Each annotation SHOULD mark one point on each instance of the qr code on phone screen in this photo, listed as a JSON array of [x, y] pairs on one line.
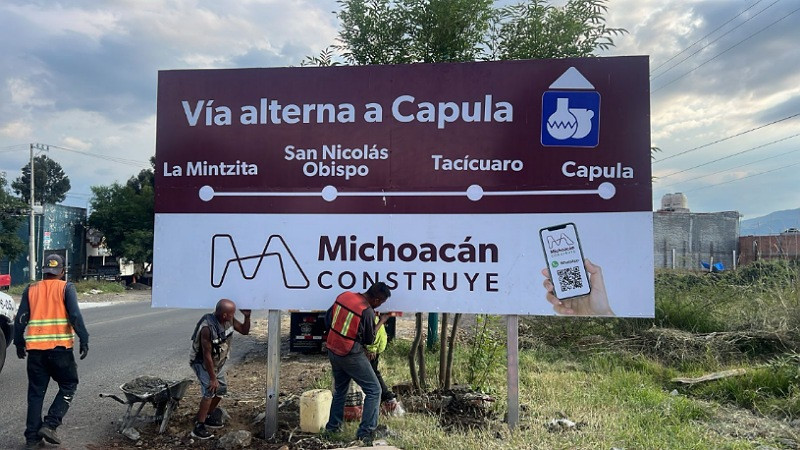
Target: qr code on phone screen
[[570, 278]]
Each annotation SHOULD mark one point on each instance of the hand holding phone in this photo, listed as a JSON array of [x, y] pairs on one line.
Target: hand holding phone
[[564, 257], [593, 304]]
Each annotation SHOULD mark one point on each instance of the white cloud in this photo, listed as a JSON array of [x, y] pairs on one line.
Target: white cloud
[[16, 130]]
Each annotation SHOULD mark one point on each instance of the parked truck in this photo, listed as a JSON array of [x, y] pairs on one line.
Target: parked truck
[[8, 309]]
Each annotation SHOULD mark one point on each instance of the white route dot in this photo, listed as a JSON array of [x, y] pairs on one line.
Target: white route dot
[[329, 193], [475, 192], [206, 193], [606, 190]]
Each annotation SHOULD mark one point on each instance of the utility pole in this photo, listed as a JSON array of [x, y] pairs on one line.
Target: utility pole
[[32, 235]]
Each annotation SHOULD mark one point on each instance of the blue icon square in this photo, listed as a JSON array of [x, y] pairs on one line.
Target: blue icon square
[[570, 118]]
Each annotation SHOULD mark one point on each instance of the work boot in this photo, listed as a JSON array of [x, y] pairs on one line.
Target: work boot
[[214, 419], [200, 431], [213, 422], [49, 435], [380, 432], [30, 445]]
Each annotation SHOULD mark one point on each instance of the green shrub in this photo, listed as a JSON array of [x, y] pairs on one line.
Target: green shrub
[[485, 351]]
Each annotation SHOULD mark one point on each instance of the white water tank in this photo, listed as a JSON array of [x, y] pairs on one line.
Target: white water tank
[[675, 202]]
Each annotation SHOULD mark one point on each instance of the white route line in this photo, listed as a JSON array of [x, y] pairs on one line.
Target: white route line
[[475, 192]]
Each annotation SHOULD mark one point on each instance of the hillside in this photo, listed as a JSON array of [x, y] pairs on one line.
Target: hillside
[[772, 223]]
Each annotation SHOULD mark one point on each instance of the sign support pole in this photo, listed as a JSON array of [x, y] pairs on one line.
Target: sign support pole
[[273, 372], [512, 323]]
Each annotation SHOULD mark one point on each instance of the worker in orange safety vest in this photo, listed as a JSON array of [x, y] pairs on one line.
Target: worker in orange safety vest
[[49, 311], [351, 326]]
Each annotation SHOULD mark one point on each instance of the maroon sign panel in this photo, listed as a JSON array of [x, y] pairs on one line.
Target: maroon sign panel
[[490, 137]]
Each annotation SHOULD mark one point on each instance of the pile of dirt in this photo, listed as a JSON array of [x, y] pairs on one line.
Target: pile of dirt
[[458, 408], [138, 287], [146, 386], [244, 405]]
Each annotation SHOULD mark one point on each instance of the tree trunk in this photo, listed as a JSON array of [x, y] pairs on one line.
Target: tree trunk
[[450, 346], [423, 376], [442, 350], [413, 353]]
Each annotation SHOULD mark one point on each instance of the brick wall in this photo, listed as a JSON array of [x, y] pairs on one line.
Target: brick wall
[[784, 246], [694, 237]]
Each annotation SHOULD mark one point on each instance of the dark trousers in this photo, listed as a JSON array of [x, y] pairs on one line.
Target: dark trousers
[[385, 392], [58, 364], [354, 366]]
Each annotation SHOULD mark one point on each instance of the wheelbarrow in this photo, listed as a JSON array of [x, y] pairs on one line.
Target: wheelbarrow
[[164, 395]]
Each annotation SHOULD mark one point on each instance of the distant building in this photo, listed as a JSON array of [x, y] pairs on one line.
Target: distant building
[[59, 229], [685, 240], [783, 246]]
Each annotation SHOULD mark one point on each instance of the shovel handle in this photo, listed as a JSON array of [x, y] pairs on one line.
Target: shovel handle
[[114, 396]]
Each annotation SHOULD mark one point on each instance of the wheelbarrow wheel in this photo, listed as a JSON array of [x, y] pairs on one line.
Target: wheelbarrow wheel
[[170, 408]]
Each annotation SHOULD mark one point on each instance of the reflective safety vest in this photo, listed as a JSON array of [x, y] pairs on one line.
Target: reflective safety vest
[[345, 319], [49, 325]]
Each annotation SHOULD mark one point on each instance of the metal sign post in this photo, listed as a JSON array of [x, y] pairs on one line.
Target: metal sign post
[[273, 372], [513, 370]]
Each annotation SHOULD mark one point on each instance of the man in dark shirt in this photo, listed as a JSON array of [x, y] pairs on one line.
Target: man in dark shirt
[[351, 326], [49, 310]]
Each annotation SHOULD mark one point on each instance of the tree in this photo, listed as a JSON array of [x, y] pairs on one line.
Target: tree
[[537, 29], [124, 214], [51, 184], [12, 214], [430, 31]]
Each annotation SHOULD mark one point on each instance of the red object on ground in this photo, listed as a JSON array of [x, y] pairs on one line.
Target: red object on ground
[[353, 412], [5, 280]]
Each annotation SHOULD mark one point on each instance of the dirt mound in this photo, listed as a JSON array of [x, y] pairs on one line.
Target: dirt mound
[[457, 408]]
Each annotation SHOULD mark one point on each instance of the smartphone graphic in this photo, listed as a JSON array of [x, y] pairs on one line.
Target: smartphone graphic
[[564, 256]]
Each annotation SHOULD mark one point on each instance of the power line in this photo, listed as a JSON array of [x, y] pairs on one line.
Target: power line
[[726, 138], [707, 35], [730, 168], [130, 162], [15, 148], [743, 178], [723, 52], [730, 156]]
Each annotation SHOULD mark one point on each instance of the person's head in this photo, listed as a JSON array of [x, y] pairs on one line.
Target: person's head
[[377, 294], [53, 267], [225, 310]]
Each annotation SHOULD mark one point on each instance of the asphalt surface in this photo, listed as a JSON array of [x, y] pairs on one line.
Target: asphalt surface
[[126, 340]]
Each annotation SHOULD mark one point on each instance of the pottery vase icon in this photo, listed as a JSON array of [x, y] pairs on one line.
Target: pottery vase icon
[[584, 117], [562, 124]]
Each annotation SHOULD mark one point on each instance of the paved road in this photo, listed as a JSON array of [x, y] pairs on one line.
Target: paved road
[[126, 340]]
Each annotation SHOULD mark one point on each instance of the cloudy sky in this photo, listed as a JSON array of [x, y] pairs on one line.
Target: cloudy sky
[[81, 77]]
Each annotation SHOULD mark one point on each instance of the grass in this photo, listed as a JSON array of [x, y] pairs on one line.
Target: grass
[[621, 400], [81, 287], [587, 370]]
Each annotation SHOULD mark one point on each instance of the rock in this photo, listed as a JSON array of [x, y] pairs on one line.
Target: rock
[[285, 447], [795, 423], [131, 433], [235, 439], [259, 417], [674, 392], [560, 425]]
